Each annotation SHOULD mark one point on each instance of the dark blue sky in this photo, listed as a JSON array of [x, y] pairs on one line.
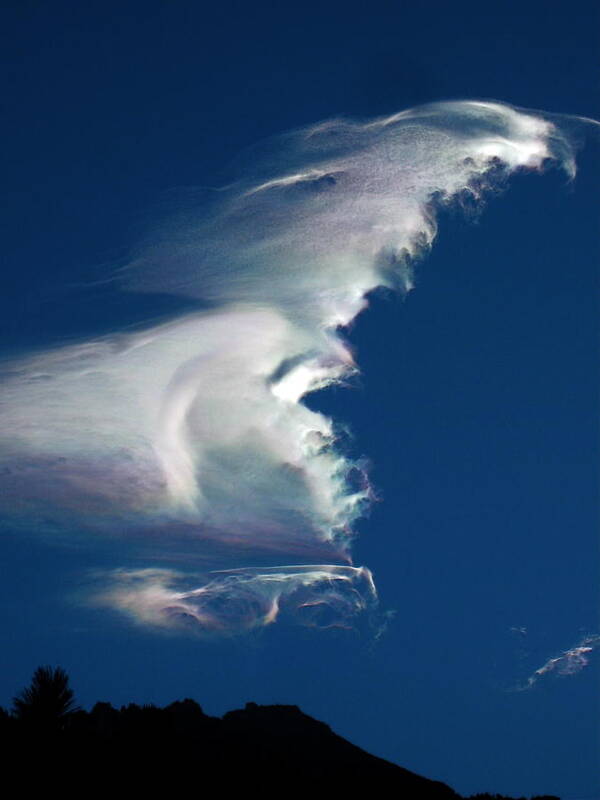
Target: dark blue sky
[[478, 405]]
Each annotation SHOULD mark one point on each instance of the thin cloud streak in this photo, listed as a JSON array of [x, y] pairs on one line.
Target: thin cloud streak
[[569, 662], [236, 601]]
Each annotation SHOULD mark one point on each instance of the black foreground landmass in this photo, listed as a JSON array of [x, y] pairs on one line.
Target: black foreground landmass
[[275, 749]]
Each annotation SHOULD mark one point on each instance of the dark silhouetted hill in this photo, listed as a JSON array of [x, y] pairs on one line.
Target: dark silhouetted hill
[[272, 750]]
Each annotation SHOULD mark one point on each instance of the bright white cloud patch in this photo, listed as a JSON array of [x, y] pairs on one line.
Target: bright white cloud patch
[[194, 432]]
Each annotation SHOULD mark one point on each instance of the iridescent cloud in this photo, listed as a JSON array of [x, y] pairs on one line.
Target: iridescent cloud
[[193, 434]]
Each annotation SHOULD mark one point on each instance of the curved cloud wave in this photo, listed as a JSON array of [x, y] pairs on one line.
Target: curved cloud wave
[[194, 432], [316, 595]]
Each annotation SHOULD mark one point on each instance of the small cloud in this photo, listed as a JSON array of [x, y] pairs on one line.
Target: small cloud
[[520, 630], [569, 662]]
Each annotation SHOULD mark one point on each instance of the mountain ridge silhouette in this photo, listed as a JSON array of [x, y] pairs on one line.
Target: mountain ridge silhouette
[[265, 748]]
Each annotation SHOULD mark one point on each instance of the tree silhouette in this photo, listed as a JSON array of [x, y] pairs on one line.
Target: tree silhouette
[[47, 701]]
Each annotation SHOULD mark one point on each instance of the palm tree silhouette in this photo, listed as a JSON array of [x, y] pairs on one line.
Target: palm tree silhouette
[[47, 701]]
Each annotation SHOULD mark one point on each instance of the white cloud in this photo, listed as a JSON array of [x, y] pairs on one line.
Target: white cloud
[[569, 662], [194, 432]]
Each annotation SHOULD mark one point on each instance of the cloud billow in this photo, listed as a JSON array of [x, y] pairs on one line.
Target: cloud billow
[[193, 433]]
